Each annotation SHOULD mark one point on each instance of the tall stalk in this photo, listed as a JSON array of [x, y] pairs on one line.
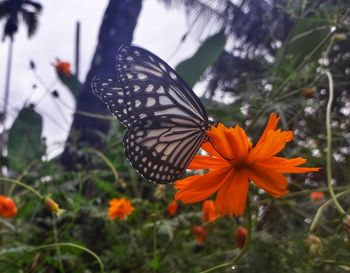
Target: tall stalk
[[7, 81]]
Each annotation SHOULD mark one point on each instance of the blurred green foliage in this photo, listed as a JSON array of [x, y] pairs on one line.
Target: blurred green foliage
[[193, 68], [25, 144]]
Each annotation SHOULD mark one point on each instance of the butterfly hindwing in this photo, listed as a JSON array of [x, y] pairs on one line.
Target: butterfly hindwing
[[161, 148]]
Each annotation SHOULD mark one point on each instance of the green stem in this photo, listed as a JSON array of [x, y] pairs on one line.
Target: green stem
[[329, 143], [109, 164], [19, 183], [23, 174], [55, 246], [321, 208], [58, 250], [234, 263]]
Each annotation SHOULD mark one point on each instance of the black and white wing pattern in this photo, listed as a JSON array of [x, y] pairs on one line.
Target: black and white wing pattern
[[166, 122], [107, 89], [152, 88], [161, 149]]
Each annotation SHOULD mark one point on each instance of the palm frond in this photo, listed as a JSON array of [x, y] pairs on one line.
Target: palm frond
[[4, 9], [37, 7], [11, 27], [31, 21], [252, 24]]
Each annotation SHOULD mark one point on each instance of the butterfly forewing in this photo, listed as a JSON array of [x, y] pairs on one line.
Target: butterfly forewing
[[108, 90], [161, 148], [153, 88]]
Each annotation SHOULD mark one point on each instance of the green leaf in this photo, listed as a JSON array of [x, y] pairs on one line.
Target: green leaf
[[71, 82], [193, 68], [25, 143]]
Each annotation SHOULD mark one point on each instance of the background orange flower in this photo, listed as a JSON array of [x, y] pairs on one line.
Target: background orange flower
[[62, 67], [119, 208], [172, 208], [317, 197], [8, 207]]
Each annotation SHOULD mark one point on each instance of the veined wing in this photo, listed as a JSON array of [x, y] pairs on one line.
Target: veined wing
[[152, 88], [161, 148], [108, 90]]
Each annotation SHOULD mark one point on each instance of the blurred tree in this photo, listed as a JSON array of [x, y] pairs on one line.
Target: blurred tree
[[117, 28], [253, 25], [13, 11]]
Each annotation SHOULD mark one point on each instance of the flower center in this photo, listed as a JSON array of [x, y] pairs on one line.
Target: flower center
[[238, 164]]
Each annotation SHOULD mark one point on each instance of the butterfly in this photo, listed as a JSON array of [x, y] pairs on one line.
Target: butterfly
[[165, 120]]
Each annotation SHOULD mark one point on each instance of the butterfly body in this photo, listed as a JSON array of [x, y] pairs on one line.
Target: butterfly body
[[166, 122]]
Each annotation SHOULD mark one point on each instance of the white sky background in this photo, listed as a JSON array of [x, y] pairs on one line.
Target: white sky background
[[158, 30]]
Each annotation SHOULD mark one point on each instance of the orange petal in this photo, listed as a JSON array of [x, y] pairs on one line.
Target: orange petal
[[199, 187], [208, 147], [271, 125], [232, 196], [274, 142], [239, 142], [269, 180], [283, 165], [220, 138], [206, 162]]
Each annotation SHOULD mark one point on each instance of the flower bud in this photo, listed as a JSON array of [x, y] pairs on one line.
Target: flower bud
[[308, 92], [53, 206], [241, 236], [315, 245], [200, 234], [346, 222]]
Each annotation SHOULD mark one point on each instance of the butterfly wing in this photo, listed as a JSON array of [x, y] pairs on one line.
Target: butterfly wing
[[107, 89], [161, 148], [152, 88], [165, 119]]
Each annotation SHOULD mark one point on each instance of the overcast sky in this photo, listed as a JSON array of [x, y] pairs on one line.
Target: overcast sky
[[158, 29]]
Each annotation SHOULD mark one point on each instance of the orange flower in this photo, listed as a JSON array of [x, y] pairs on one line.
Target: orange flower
[[119, 208], [172, 208], [241, 236], [234, 162], [317, 197], [209, 212], [8, 207], [200, 234], [62, 67]]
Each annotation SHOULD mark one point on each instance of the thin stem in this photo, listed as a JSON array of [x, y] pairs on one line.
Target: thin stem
[[155, 252], [109, 164], [329, 143], [22, 175], [58, 250], [97, 258], [8, 79], [245, 248], [19, 183], [321, 208]]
